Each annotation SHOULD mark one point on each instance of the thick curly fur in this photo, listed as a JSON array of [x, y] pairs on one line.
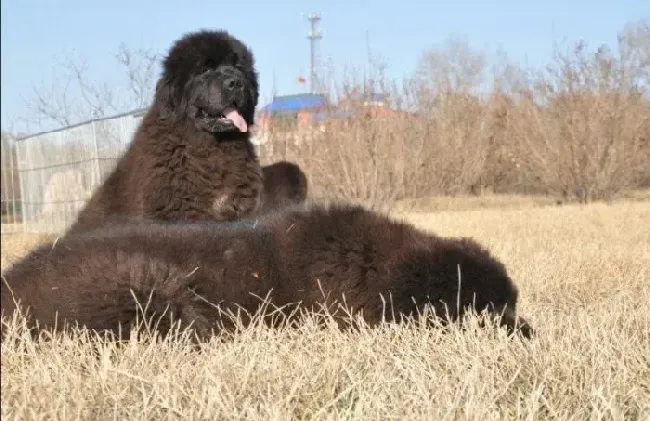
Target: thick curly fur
[[317, 255], [284, 184], [187, 162]]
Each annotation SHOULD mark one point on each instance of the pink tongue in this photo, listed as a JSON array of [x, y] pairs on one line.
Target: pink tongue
[[232, 115]]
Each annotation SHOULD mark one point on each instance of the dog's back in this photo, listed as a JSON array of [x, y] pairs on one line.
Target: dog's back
[[96, 277]]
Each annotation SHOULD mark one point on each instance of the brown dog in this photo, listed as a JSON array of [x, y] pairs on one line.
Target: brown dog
[[284, 184], [191, 158], [319, 255]]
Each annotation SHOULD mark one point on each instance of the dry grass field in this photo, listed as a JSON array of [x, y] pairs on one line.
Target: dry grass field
[[584, 277]]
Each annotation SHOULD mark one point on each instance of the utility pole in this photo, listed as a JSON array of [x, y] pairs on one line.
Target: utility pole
[[314, 35]]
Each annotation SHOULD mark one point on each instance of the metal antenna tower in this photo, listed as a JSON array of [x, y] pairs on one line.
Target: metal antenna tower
[[314, 35]]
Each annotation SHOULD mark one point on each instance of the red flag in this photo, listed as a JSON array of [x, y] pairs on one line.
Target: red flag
[[301, 79]]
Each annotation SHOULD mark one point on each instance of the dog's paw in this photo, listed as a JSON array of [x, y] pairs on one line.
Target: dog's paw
[[230, 207]]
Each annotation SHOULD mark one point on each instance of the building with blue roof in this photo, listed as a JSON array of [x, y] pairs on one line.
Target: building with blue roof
[[316, 107], [287, 104]]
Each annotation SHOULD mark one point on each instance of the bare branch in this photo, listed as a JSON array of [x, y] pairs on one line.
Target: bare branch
[[140, 69], [74, 96]]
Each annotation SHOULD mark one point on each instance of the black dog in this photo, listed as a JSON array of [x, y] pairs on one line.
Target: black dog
[[377, 268], [284, 184], [191, 158]]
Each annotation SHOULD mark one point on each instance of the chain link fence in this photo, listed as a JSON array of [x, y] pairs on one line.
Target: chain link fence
[[48, 177]]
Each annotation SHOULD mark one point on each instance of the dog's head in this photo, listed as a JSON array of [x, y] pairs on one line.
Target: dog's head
[[455, 274], [284, 183], [210, 77]]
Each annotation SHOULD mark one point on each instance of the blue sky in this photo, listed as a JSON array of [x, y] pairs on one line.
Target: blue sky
[[34, 33]]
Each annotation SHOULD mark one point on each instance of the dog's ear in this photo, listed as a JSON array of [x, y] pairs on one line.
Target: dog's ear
[[165, 98]]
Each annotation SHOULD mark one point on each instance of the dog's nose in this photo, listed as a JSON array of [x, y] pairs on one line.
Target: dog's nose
[[233, 83]]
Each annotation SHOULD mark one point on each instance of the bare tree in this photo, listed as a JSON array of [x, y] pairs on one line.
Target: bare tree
[[586, 137], [634, 42], [140, 67], [453, 67], [74, 96]]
